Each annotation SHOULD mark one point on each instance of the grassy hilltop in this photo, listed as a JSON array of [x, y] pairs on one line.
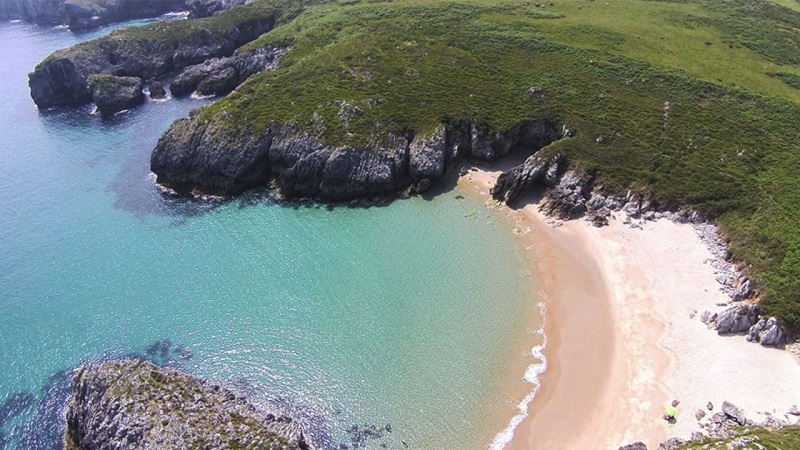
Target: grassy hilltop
[[692, 103]]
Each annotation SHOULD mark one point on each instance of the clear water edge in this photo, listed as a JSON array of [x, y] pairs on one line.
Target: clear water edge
[[400, 314]]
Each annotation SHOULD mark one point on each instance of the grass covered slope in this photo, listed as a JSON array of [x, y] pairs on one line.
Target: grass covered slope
[[753, 438], [692, 104]]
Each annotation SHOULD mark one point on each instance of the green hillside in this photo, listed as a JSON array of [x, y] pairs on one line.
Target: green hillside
[[691, 103]]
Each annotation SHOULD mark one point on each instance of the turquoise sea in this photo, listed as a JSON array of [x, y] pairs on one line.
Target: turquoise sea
[[401, 326]]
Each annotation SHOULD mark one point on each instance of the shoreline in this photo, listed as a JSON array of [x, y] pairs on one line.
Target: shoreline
[[624, 336]]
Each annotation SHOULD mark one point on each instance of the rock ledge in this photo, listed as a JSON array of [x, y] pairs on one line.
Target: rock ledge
[[130, 404]]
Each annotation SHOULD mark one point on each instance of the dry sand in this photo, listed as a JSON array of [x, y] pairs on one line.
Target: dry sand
[[625, 338]]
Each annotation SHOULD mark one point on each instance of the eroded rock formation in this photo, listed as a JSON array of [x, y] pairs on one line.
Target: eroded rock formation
[[216, 156], [62, 78], [131, 404]]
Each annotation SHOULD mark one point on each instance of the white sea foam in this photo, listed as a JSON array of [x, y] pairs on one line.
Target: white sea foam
[[531, 376]]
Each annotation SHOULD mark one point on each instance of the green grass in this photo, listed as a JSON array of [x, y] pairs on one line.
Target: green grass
[[754, 438], [730, 71]]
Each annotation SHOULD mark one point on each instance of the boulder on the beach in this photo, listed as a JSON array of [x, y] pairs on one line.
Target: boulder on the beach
[[634, 446], [671, 444], [733, 412], [736, 319]]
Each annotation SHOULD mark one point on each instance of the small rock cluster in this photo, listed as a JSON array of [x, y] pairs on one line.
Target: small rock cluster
[[745, 318]]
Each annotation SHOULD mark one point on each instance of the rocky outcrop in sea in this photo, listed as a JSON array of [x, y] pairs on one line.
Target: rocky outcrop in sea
[[82, 15], [219, 76], [62, 79], [113, 94], [130, 404]]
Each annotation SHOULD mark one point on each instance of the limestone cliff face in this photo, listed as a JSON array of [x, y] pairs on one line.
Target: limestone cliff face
[[136, 405], [212, 156], [62, 78], [205, 8], [38, 11], [86, 14]]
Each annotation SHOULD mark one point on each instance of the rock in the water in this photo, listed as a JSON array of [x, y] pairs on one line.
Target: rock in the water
[[699, 414], [710, 406], [634, 446], [733, 412], [157, 90], [219, 76], [128, 404], [113, 94]]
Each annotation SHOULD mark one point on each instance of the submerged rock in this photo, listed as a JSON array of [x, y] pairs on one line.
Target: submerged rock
[[113, 94], [129, 404]]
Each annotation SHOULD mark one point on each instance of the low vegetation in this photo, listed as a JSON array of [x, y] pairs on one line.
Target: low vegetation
[[753, 438]]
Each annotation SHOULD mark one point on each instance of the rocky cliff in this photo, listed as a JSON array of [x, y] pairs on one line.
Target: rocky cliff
[[143, 52], [136, 405], [37, 11], [206, 8], [214, 156], [219, 76], [86, 14]]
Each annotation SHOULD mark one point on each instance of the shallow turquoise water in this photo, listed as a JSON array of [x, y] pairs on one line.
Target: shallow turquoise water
[[408, 315]]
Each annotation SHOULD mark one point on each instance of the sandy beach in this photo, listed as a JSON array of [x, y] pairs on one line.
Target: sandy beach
[[624, 334]]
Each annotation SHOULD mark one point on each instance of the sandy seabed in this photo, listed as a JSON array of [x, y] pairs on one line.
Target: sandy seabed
[[624, 336]]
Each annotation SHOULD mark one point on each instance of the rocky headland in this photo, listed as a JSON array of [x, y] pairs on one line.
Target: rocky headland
[[63, 78], [130, 404], [82, 15], [209, 155]]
